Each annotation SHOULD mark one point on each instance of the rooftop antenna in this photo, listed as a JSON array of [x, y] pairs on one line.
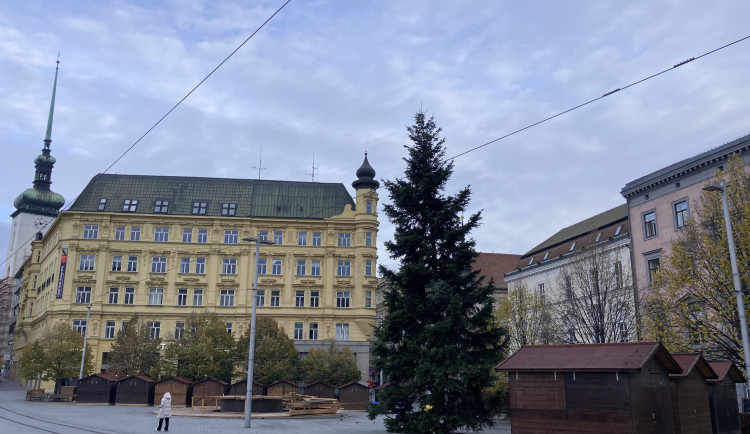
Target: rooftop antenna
[[313, 168], [260, 163]]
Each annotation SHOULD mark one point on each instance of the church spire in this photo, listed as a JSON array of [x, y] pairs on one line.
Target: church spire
[[40, 199]]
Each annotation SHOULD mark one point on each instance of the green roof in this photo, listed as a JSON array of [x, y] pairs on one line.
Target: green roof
[[252, 197], [590, 224]]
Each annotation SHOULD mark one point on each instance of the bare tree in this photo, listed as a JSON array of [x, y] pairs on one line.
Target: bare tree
[[594, 300], [527, 316]]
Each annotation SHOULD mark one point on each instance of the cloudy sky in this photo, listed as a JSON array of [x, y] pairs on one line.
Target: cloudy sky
[[325, 80]]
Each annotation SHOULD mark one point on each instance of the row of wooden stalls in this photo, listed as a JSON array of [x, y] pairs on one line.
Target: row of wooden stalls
[[620, 388], [139, 389]]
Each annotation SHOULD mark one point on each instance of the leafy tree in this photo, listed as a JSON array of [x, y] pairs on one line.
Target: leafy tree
[[692, 305], [332, 366], [439, 339], [57, 355], [594, 300], [275, 355], [134, 351], [206, 350], [524, 316]]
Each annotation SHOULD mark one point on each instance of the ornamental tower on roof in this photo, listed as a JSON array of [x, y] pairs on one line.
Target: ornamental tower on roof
[[37, 206]]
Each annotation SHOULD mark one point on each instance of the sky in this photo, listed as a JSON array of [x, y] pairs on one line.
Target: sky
[[326, 80]]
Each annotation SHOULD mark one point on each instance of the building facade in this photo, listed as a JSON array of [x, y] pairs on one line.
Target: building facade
[[168, 247], [579, 278], [660, 203]]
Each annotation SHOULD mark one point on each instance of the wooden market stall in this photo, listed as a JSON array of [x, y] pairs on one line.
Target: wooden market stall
[[180, 388], [722, 397], [205, 392], [354, 396], [320, 389], [97, 389], [689, 393]]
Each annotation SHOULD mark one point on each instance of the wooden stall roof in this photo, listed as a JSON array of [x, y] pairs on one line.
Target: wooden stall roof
[[180, 379], [140, 377], [724, 368], [108, 377], [688, 362], [628, 356], [212, 380]]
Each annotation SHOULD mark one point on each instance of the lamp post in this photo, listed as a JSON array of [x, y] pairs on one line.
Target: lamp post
[[85, 338], [736, 277], [251, 351]]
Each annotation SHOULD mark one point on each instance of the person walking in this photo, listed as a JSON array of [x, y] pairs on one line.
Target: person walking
[[165, 411]]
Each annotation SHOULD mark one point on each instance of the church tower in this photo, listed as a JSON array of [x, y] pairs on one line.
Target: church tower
[[37, 206]]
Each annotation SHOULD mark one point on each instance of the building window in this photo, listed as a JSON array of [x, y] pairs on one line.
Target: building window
[[184, 265], [228, 208], [301, 238], [231, 236], [342, 298], [187, 235], [299, 299], [263, 235], [368, 239], [540, 294], [154, 328], [368, 298], [179, 329], [226, 298], [368, 207], [313, 331], [653, 264], [159, 264], [83, 295], [135, 233], [182, 297], [200, 265], [117, 263], [102, 204], [299, 332], [344, 240], [572, 246], [342, 332], [368, 268], [202, 236], [301, 267], [275, 298], [315, 268], [260, 298], [228, 266], [317, 238], [598, 237], [200, 208], [276, 266], [79, 325], [314, 298], [197, 297], [680, 214], [132, 263], [120, 233], [261, 266], [87, 263], [109, 330], [228, 326], [278, 237], [618, 275], [161, 235], [114, 292], [90, 232], [617, 232], [129, 295], [129, 205], [344, 268], [649, 224], [155, 296], [161, 206]]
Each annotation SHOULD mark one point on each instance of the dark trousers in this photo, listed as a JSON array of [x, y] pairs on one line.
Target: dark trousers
[[166, 423]]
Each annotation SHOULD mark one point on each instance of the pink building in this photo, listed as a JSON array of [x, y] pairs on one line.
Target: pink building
[[661, 202]]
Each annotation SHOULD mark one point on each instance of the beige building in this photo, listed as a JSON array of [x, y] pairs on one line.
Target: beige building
[[166, 247]]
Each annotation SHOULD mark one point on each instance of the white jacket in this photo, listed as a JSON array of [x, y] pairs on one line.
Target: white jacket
[[165, 409]]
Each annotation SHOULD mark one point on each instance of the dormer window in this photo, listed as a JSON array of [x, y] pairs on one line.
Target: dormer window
[[200, 208], [129, 205], [572, 246], [161, 206], [228, 208], [102, 204]]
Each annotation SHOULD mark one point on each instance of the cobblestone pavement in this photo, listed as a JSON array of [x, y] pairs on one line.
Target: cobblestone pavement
[[18, 416]]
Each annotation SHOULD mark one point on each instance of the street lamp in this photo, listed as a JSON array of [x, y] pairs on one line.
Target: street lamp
[[736, 277], [85, 338], [251, 352]]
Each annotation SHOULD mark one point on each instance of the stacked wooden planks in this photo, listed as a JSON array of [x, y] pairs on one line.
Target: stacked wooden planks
[[304, 404]]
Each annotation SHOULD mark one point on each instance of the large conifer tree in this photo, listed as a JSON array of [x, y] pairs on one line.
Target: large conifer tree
[[439, 339]]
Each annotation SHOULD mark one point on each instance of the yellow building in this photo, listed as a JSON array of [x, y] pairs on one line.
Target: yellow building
[[166, 247]]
